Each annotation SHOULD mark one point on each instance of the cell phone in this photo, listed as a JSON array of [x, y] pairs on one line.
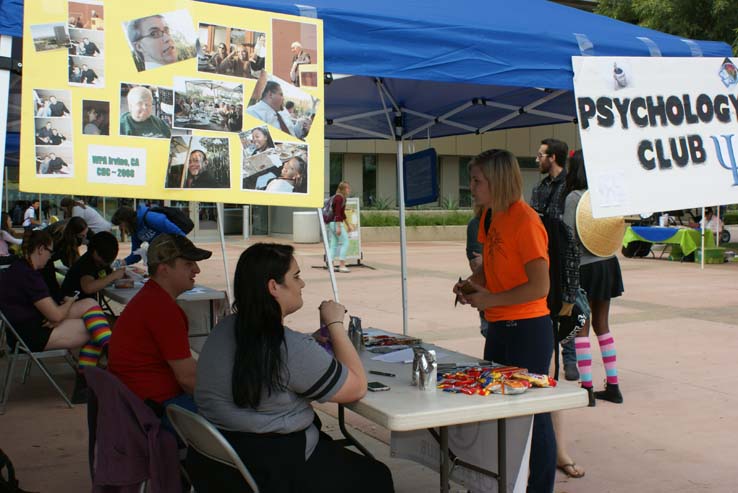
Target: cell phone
[[377, 387]]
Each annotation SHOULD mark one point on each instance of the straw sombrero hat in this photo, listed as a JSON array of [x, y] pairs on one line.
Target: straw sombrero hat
[[603, 237]]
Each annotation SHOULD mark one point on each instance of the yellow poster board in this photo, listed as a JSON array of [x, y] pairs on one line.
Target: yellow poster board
[[172, 100]]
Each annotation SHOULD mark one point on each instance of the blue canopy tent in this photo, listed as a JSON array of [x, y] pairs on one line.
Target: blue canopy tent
[[427, 67]]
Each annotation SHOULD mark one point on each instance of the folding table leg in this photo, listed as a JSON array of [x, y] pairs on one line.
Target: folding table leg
[[348, 437], [445, 463], [502, 455]]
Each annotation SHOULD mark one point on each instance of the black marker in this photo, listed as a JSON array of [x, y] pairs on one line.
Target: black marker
[[382, 373]]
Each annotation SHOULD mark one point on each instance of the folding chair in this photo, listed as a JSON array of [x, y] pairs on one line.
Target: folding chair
[[21, 352], [201, 435]]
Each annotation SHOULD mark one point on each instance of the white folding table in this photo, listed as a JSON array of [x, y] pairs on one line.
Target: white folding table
[[406, 408]]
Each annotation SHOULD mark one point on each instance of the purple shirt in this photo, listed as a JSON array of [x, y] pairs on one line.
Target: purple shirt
[[20, 287]]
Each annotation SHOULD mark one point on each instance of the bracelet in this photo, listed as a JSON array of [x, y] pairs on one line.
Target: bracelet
[[336, 322]]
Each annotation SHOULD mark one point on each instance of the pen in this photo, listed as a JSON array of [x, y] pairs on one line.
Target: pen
[[382, 373]]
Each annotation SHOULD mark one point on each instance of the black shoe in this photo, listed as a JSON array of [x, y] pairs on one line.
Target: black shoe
[[80, 393], [571, 372], [590, 396], [611, 393]]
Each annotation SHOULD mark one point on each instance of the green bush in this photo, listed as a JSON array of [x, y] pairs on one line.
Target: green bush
[[731, 218], [458, 218]]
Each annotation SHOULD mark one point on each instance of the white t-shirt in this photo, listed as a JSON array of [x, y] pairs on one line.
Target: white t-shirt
[[29, 215], [714, 224]]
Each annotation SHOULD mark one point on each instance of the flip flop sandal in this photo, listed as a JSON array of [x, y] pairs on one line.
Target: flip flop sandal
[[571, 470]]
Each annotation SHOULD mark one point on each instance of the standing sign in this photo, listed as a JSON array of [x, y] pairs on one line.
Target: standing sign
[[353, 217], [658, 133], [172, 99]]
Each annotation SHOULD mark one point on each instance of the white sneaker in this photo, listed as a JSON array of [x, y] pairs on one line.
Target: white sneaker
[[343, 269]]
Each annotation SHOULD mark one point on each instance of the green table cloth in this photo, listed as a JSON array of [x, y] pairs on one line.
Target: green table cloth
[[688, 239]]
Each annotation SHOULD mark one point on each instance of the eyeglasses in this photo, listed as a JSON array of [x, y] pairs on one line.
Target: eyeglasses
[[51, 252], [539, 155], [156, 33]]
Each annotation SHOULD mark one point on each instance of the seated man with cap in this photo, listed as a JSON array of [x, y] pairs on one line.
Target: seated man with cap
[[150, 352]]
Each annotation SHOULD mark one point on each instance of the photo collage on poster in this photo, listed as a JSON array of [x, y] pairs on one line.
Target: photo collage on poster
[[259, 95], [86, 43], [53, 127]]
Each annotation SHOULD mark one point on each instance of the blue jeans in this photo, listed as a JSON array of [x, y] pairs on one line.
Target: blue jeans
[[568, 353], [528, 343], [182, 400], [338, 243]]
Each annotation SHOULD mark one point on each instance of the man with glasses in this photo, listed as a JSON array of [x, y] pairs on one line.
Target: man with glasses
[[150, 351], [548, 200], [152, 42]]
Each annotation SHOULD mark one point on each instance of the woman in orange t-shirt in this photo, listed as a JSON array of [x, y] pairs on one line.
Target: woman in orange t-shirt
[[511, 287]]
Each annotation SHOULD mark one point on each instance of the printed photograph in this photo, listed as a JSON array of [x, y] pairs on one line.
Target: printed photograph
[[48, 37], [84, 42], [231, 51], [198, 162], [53, 131], [146, 111], [281, 168], [54, 161], [86, 71], [96, 117], [161, 39], [85, 14], [208, 105], [294, 47], [283, 106], [52, 103]]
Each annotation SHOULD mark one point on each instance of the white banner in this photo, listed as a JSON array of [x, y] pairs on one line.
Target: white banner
[[658, 134]]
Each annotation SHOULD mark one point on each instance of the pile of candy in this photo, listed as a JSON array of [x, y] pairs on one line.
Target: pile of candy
[[485, 380], [371, 341]]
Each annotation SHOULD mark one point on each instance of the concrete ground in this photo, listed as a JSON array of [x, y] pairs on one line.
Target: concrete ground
[[676, 334]]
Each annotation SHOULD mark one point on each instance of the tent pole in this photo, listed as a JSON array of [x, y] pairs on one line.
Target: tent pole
[[6, 43], [702, 235], [221, 219], [719, 229], [403, 238], [328, 256]]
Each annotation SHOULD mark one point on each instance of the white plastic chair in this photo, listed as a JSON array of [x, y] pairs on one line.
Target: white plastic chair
[[203, 437]]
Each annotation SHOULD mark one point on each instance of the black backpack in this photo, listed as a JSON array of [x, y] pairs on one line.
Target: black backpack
[[8, 483], [175, 215], [328, 212]]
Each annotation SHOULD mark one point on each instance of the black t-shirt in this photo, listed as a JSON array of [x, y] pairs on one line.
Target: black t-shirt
[[85, 266]]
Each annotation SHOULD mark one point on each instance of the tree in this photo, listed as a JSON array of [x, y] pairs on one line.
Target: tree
[[715, 20]]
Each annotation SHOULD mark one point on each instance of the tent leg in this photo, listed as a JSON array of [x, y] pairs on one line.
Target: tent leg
[[221, 223], [328, 255], [403, 235], [6, 43]]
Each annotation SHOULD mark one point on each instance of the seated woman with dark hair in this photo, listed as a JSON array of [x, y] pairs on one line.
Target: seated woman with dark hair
[[256, 379], [6, 239], [42, 322]]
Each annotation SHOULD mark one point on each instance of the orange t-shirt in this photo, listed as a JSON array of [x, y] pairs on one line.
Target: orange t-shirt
[[516, 236]]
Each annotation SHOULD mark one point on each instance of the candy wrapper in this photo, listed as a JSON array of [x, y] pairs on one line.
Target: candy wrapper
[[356, 333], [535, 379], [327, 344], [427, 369]]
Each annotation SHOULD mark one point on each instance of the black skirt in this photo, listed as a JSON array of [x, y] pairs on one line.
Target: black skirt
[[602, 280]]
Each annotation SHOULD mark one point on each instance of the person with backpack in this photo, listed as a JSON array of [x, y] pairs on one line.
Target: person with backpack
[[338, 226], [146, 223]]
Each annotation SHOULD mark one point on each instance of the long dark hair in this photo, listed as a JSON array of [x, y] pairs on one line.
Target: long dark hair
[[4, 217], [68, 248], [576, 176], [259, 332]]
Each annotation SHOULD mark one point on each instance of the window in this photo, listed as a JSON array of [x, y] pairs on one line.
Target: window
[[369, 173], [527, 163], [464, 192], [335, 172]]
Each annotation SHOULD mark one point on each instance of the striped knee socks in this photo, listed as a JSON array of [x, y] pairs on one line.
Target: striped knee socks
[[99, 330], [584, 360], [607, 348]]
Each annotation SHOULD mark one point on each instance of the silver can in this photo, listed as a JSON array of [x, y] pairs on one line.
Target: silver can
[[428, 372], [356, 333]]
